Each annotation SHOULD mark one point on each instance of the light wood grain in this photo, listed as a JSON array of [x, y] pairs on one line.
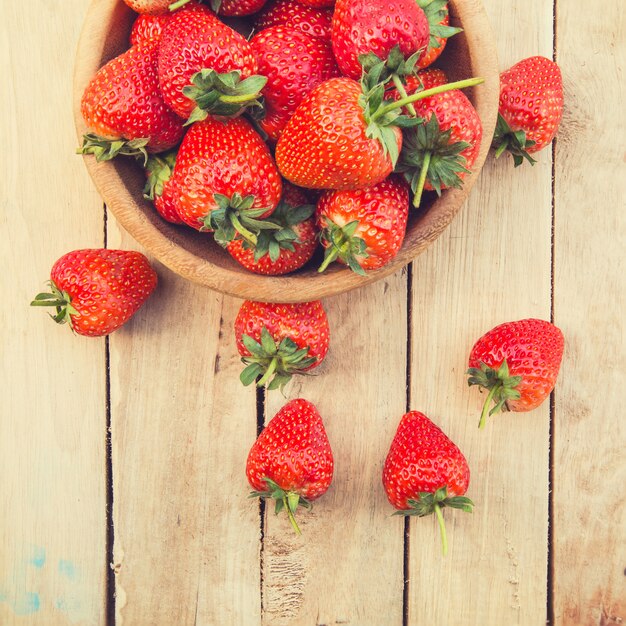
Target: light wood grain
[[52, 409], [347, 566], [493, 265], [589, 431]]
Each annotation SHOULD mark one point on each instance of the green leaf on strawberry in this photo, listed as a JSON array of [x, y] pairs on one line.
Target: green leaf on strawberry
[[105, 149], [515, 141]]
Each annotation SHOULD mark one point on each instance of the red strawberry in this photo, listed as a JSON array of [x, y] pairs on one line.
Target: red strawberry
[[414, 83], [294, 63], [237, 7], [147, 27], [226, 179], [149, 7], [318, 4], [439, 30], [364, 26], [439, 153], [531, 108], [124, 109], [364, 228], [309, 20], [291, 461], [159, 189], [424, 471], [281, 251], [203, 65], [518, 362], [279, 340], [96, 291]]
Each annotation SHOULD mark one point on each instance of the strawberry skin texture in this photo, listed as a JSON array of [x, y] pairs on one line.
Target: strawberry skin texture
[[309, 20], [223, 157], [106, 287], [123, 100], [305, 323], [531, 99], [293, 450], [147, 27], [317, 4], [422, 459], [165, 203], [240, 7], [150, 7], [362, 26], [382, 212], [193, 39], [324, 145], [533, 349], [294, 63]]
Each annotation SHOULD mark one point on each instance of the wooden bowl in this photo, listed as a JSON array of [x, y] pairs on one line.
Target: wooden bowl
[[195, 255]]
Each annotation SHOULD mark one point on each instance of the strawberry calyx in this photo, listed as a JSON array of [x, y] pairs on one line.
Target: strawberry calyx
[[105, 148], [61, 300], [428, 155], [340, 242], [288, 501], [429, 503], [501, 385], [436, 11], [273, 362], [223, 95], [234, 218], [271, 241], [178, 4], [159, 168], [515, 141]]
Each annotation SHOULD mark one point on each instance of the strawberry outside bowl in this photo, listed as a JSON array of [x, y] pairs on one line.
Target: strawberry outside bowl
[[195, 255]]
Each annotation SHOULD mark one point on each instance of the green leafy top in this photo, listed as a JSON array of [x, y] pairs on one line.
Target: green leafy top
[[436, 11], [105, 149], [340, 242], [285, 501], [505, 138], [160, 168], [61, 300]]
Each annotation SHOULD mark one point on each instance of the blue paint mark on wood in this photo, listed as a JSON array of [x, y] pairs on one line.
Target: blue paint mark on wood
[[26, 603], [68, 569], [38, 557]]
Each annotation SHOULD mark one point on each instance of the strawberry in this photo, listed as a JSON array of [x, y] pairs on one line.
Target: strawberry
[[281, 251], [309, 20], [436, 12], [96, 291], [424, 471], [364, 26], [364, 228], [237, 7], [518, 362], [159, 189], [226, 178], [149, 7], [124, 109], [147, 27], [279, 340], [317, 4], [294, 63], [531, 108], [291, 461], [441, 151], [204, 66]]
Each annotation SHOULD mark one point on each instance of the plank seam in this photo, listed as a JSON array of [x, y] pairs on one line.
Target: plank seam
[[260, 423]]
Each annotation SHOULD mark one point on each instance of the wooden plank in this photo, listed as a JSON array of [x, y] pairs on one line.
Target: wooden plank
[[52, 409], [493, 265], [589, 431], [186, 546], [346, 568]]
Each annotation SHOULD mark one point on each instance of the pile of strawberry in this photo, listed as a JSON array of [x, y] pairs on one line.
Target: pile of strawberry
[[317, 128]]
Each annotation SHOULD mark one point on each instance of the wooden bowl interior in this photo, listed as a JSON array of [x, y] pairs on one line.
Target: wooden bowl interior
[[195, 255]]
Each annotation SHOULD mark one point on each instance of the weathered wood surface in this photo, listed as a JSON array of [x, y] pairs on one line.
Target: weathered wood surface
[[546, 541]]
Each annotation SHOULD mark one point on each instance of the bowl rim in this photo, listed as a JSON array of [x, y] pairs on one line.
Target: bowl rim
[[299, 286]]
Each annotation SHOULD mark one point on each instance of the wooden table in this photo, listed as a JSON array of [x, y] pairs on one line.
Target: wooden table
[[121, 460]]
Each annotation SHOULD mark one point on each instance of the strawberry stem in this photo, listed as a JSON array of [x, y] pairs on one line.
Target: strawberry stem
[[248, 235], [177, 5], [442, 528], [422, 179], [291, 516], [459, 84], [271, 368], [402, 91], [485, 411]]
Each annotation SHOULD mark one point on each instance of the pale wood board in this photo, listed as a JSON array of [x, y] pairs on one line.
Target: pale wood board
[[186, 535], [491, 266], [589, 429], [52, 409], [347, 566]]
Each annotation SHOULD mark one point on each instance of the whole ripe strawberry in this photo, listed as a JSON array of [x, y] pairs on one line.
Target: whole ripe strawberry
[[285, 250], [364, 26], [441, 151], [95, 291], [364, 228], [294, 14], [518, 363], [226, 179], [291, 461], [425, 471], [294, 63], [124, 109], [203, 65], [279, 340], [531, 108], [439, 28], [159, 189], [147, 27]]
